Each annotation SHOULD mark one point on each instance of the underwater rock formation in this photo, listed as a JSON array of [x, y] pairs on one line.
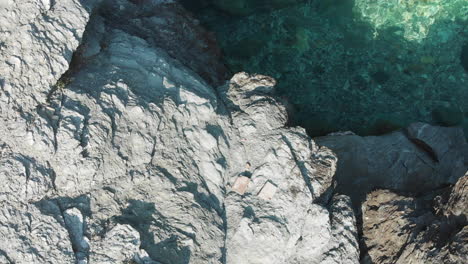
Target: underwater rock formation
[[464, 57], [246, 7]]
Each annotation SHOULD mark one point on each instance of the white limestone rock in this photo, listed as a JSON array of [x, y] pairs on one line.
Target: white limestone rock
[[276, 220], [119, 245], [133, 157]]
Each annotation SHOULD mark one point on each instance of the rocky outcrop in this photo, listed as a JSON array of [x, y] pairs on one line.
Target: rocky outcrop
[[114, 150], [36, 48], [428, 229], [124, 154], [273, 219], [418, 159], [167, 25]]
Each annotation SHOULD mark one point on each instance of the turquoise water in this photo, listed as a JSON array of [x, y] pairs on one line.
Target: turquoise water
[[362, 65]]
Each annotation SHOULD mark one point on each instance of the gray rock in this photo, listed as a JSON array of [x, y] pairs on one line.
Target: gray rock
[[130, 156], [167, 25], [124, 154], [36, 48], [420, 159], [28, 236], [275, 220], [37, 41], [447, 146], [456, 204], [343, 225], [75, 225], [119, 245]]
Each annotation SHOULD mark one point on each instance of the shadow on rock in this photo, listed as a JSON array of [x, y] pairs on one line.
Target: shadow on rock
[[55, 207], [157, 236], [418, 159], [428, 229]]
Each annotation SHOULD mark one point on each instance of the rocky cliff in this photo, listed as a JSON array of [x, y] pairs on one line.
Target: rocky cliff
[[119, 145]]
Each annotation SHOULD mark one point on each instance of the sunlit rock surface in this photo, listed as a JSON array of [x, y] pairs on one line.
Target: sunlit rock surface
[[115, 148], [123, 154]]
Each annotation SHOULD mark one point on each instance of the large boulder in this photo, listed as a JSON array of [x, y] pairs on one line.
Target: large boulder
[[418, 159], [113, 149], [273, 218]]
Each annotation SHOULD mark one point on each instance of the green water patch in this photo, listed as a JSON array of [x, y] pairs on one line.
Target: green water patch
[[361, 65]]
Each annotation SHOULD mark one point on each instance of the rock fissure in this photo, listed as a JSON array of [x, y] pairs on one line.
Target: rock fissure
[[300, 165], [4, 254]]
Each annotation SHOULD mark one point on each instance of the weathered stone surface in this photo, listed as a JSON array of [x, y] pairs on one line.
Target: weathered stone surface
[[74, 222], [447, 146], [343, 225], [119, 245], [130, 156], [401, 229], [38, 39], [241, 184], [124, 154], [457, 204], [268, 191], [422, 158], [276, 221], [167, 25]]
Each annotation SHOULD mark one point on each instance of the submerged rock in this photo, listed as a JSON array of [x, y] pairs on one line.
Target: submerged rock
[[464, 57], [448, 116], [247, 7]]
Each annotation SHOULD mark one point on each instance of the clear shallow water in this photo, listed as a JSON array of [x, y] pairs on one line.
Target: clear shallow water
[[367, 66]]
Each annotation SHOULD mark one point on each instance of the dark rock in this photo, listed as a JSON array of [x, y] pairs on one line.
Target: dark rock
[[429, 229], [386, 124], [380, 77], [464, 57], [438, 141], [247, 7], [448, 116]]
